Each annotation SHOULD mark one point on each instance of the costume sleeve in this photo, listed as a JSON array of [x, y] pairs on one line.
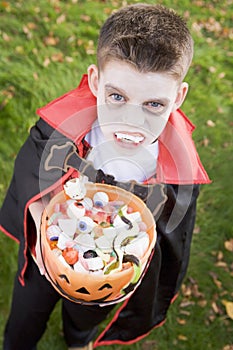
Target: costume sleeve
[[148, 306], [28, 181]]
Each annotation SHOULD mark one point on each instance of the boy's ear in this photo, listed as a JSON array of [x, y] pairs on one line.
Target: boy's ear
[[93, 78], [181, 94]]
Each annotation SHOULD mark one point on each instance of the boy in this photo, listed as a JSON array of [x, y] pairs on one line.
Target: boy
[[137, 137]]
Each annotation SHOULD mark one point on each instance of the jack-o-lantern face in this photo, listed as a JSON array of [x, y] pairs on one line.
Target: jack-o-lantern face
[[86, 287], [91, 288]]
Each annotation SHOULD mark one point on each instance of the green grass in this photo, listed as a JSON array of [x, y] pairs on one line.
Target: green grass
[[46, 46]]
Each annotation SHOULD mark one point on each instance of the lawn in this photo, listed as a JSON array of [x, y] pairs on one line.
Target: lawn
[[46, 46]]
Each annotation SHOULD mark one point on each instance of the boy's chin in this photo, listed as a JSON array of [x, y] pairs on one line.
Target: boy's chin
[[128, 148]]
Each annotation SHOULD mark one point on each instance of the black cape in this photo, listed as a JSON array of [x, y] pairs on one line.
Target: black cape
[[148, 306]]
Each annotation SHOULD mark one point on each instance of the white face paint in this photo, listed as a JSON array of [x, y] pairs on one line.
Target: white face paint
[[133, 107]]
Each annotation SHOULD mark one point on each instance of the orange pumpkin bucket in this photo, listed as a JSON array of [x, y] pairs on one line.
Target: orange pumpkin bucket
[[92, 275]]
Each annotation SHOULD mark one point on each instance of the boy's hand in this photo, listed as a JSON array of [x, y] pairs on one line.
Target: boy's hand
[[36, 210]]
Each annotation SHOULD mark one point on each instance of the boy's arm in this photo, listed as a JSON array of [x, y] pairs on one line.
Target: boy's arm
[[36, 209]]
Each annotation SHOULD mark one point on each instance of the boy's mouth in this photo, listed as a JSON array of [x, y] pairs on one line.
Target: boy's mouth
[[129, 138]]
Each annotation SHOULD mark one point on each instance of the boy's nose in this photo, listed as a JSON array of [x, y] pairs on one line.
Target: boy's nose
[[133, 115]]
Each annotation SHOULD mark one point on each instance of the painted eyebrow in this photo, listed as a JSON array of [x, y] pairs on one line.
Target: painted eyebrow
[[163, 101], [110, 87]]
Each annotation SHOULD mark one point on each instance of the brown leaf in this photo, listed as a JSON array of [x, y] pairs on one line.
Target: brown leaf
[[85, 18], [31, 25], [221, 75], [46, 62], [215, 280], [185, 312], [215, 308], [205, 142], [57, 57], [195, 291], [220, 256], [182, 337], [210, 123], [50, 41], [35, 76], [69, 59], [229, 308], [229, 245], [212, 69], [221, 264], [61, 19], [5, 4], [181, 321], [186, 303], [6, 37], [228, 347], [186, 290], [197, 230], [202, 303], [149, 345]]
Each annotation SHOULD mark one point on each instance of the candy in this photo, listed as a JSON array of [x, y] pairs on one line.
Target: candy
[[70, 255], [87, 203], [53, 232], [62, 241], [78, 267], [85, 224], [68, 226], [75, 188], [100, 199], [94, 234], [75, 210], [85, 240], [138, 246], [95, 263], [104, 244]]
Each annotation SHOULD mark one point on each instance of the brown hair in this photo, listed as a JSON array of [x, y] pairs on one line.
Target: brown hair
[[153, 38]]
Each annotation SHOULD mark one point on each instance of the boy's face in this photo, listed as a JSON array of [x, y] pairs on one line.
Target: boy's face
[[133, 107]]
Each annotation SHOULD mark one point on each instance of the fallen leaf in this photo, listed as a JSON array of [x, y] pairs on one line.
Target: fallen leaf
[[215, 280], [229, 308], [61, 19], [228, 347], [6, 37], [221, 75], [215, 308], [210, 123], [57, 57], [69, 59], [205, 142], [185, 312], [186, 290], [220, 256], [85, 18], [202, 303], [221, 264], [19, 49], [50, 41], [229, 245], [46, 62], [182, 337], [31, 25], [79, 42], [181, 321], [187, 303], [149, 345], [212, 69], [197, 230], [35, 76]]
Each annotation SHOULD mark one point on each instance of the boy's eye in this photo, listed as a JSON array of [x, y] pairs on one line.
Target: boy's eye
[[117, 98], [154, 106]]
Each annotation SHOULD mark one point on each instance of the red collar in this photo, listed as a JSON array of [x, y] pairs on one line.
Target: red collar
[[178, 163]]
